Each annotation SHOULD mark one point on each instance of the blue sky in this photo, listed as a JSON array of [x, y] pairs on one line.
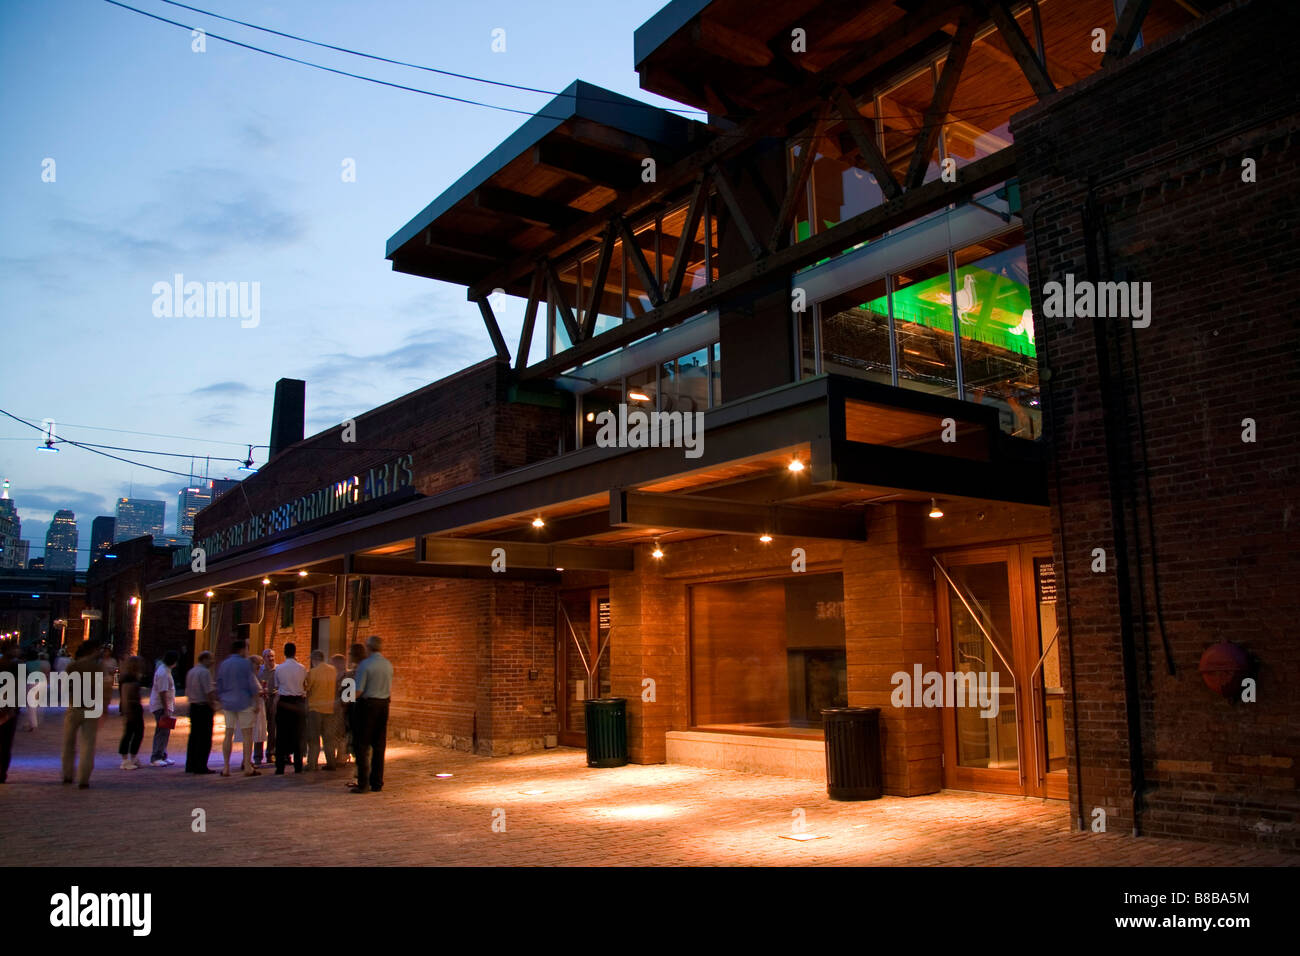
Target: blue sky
[[226, 166]]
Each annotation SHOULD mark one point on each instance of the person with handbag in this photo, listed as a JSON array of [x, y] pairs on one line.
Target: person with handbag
[[162, 701]]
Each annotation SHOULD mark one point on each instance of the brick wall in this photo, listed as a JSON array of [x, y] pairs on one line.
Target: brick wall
[[1166, 134]]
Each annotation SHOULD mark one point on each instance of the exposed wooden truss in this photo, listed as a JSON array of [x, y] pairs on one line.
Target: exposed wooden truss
[[708, 171]]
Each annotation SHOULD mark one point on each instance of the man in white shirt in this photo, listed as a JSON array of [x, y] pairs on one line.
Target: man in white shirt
[[290, 711], [162, 701]]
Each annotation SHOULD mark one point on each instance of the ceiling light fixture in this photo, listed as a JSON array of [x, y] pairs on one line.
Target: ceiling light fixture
[[638, 396], [302, 574], [765, 538], [935, 511], [266, 580], [210, 594], [796, 466], [658, 552], [538, 522]]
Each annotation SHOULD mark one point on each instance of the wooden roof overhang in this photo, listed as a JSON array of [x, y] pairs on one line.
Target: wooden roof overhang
[[860, 442], [570, 159]]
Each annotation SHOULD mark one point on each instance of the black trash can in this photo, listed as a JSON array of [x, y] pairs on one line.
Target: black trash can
[[606, 732], [852, 753]]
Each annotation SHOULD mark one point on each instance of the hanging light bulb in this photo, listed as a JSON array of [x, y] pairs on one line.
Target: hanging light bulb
[[796, 466], [658, 552], [935, 512], [538, 522]]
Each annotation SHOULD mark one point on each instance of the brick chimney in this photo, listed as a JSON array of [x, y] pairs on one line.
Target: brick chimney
[[288, 415]]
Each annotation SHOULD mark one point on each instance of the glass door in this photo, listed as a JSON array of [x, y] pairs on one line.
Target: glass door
[[999, 661], [581, 635]]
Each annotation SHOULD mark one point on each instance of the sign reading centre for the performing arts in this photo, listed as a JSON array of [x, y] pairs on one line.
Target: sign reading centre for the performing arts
[[377, 482]]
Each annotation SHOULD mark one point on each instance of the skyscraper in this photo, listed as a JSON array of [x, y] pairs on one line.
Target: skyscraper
[[190, 501], [137, 516], [101, 536], [61, 542], [219, 486], [11, 529]]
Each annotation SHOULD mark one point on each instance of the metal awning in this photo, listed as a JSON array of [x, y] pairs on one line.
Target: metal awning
[[858, 441], [571, 158]]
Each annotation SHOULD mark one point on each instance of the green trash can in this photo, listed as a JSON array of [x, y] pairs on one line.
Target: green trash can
[[853, 769], [606, 732]]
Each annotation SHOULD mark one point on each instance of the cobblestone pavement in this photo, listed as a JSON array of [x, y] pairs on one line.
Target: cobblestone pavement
[[554, 809]]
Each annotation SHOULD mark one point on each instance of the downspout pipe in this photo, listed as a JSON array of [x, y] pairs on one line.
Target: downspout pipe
[[1115, 418]]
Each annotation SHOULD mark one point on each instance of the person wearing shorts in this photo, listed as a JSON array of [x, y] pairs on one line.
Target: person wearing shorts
[[237, 690]]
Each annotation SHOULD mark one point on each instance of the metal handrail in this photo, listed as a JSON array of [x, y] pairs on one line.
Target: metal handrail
[[1039, 762]]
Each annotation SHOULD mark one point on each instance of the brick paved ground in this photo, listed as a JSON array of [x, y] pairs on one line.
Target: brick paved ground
[[631, 815]]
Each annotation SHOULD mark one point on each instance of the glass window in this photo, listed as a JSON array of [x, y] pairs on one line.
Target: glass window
[[715, 375], [768, 654], [673, 222], [999, 357], [902, 113], [643, 390], [604, 398], [922, 309], [286, 609], [637, 298], [685, 383], [855, 334]]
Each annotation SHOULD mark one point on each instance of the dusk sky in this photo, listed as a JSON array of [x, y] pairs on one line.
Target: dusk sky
[[226, 166]]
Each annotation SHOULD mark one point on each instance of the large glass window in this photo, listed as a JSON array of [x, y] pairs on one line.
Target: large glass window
[[921, 303], [998, 352], [768, 655], [856, 334]]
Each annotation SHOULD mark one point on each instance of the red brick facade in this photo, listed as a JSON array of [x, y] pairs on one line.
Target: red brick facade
[[1205, 514]]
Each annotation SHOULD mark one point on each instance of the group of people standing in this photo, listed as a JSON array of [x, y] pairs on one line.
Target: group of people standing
[[336, 708], [288, 713]]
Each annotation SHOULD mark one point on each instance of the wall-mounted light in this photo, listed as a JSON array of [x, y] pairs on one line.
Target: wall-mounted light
[[935, 511], [765, 538], [796, 466], [538, 522]]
